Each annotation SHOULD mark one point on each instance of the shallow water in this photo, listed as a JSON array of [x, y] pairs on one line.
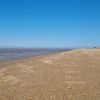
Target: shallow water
[[11, 54]]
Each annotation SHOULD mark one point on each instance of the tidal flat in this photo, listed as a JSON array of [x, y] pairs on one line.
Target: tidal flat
[[67, 75]]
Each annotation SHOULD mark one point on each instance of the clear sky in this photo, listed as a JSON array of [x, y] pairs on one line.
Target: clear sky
[[49, 23]]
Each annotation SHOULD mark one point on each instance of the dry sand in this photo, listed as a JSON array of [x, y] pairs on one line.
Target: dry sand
[[71, 75]]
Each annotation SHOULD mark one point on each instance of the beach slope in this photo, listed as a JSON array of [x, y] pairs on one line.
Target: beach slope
[[70, 75]]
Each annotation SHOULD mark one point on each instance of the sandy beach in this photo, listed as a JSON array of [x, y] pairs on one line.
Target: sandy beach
[[69, 75]]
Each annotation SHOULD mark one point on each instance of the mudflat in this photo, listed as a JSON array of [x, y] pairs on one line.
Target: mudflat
[[70, 75]]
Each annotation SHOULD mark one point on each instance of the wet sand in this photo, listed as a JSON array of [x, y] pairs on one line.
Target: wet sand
[[70, 75]]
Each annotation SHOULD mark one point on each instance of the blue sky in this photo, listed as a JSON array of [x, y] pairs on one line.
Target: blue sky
[[49, 23]]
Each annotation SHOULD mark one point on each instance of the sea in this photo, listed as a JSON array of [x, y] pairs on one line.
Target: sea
[[7, 54]]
